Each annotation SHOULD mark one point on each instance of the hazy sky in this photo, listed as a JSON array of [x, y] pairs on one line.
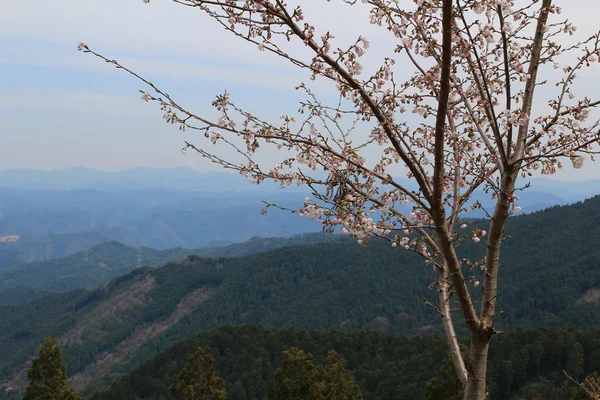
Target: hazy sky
[[61, 108]]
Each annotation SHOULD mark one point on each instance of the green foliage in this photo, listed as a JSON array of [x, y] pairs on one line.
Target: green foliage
[[335, 381], [524, 364], [23, 327], [446, 384], [339, 286], [48, 376], [20, 295], [198, 381], [87, 269], [262, 244], [297, 378], [575, 362]]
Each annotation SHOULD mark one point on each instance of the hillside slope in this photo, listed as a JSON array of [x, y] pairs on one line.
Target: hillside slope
[[548, 273], [91, 268], [524, 364], [87, 269]]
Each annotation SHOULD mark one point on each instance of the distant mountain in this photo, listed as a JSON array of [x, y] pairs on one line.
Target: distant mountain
[[165, 208], [260, 244], [550, 276], [20, 295], [186, 179], [568, 190], [41, 248], [106, 208], [91, 268], [45, 220], [137, 178], [87, 269], [10, 257], [208, 227], [530, 200], [157, 218]]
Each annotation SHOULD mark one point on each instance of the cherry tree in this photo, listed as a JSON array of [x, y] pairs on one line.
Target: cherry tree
[[465, 120]]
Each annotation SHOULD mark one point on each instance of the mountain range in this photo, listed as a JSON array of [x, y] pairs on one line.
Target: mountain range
[[53, 214], [550, 276], [179, 179], [90, 268], [156, 218], [186, 180]]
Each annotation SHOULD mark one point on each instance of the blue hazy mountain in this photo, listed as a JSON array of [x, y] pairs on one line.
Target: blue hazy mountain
[[137, 178], [177, 207], [186, 179]]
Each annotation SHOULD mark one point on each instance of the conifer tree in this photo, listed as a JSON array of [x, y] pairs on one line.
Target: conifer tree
[[298, 378], [336, 382], [294, 377], [446, 384], [48, 376], [199, 381]]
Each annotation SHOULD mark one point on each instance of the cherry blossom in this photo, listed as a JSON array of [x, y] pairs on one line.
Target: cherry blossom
[[456, 108]]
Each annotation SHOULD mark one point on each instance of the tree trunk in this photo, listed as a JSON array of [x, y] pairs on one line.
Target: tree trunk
[[451, 338], [482, 335], [476, 384]]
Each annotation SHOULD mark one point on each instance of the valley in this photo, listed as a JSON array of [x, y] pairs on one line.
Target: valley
[[306, 282]]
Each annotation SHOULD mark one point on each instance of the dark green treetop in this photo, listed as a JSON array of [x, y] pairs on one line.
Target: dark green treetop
[[199, 381], [298, 378], [446, 384], [48, 376]]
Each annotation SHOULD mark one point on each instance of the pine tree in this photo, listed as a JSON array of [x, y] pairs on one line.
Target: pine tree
[[447, 385], [199, 382], [297, 378], [48, 376], [575, 361], [336, 382], [294, 377]]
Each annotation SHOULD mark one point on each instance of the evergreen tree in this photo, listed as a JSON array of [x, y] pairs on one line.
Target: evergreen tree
[[294, 377], [48, 376], [298, 378], [446, 384], [199, 382], [335, 381], [575, 361]]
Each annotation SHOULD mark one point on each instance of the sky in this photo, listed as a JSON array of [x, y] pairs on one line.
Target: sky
[[61, 108]]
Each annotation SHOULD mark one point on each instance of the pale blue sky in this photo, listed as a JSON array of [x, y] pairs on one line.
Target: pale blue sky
[[60, 108]]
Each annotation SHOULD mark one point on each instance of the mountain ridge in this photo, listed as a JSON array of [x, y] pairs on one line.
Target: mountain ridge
[[334, 286], [92, 267]]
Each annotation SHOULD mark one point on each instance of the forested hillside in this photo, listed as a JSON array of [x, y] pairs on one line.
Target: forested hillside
[[30, 248], [87, 269], [339, 286], [20, 295], [524, 364], [90, 268]]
